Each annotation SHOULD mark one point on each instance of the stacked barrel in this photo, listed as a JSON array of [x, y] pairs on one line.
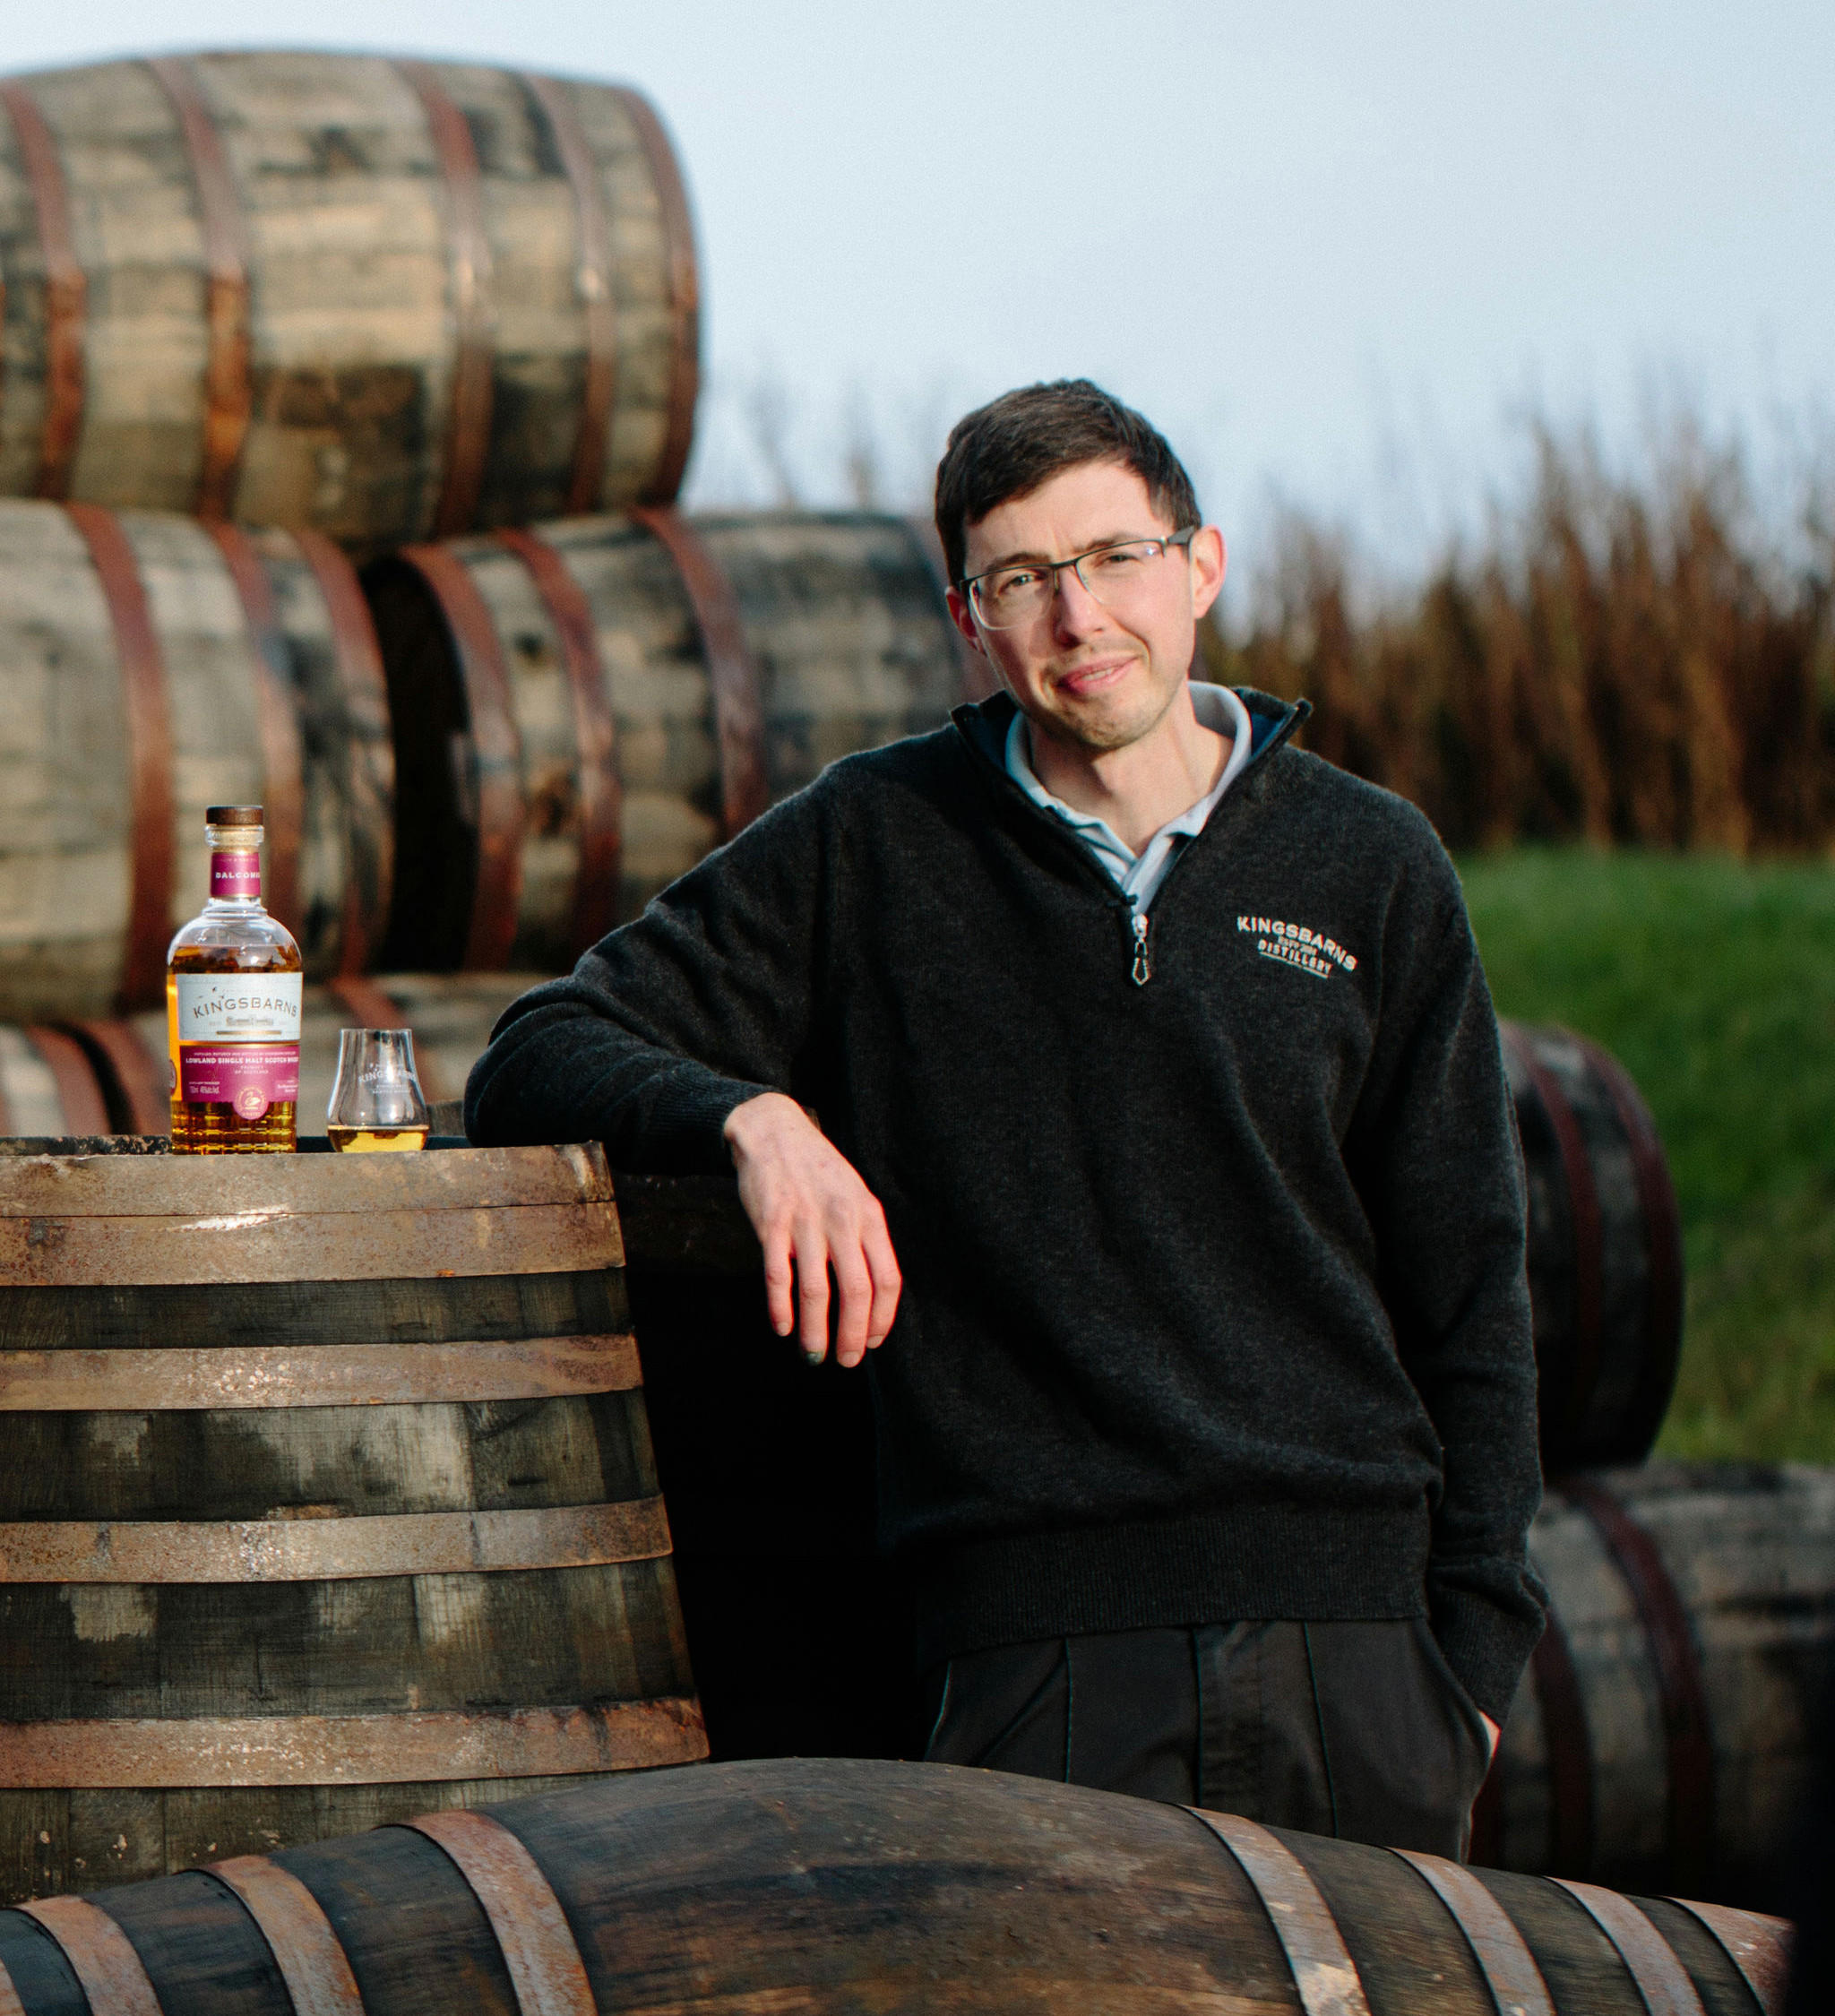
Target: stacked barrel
[[365, 307]]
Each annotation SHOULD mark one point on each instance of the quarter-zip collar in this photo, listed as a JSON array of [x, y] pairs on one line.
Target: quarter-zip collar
[[984, 726]]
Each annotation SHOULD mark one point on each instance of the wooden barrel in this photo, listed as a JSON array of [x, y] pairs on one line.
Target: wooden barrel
[[583, 711], [150, 667], [829, 1886], [384, 299], [326, 1497], [1604, 1250], [1665, 1727]]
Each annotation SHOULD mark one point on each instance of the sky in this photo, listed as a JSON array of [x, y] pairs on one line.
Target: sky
[[1341, 252]]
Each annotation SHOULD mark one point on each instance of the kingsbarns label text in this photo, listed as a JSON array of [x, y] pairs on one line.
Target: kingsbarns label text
[[215, 1008]]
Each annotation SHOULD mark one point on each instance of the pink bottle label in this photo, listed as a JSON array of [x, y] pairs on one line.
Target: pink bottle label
[[236, 875], [249, 1076]]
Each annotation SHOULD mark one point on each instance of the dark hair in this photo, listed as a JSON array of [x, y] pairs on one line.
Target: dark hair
[[1014, 443]]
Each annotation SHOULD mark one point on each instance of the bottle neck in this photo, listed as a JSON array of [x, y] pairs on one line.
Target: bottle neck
[[236, 879]]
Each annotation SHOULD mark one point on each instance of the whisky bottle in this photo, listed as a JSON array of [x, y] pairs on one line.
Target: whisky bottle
[[233, 992]]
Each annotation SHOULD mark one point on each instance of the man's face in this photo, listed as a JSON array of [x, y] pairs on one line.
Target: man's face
[[1093, 677]]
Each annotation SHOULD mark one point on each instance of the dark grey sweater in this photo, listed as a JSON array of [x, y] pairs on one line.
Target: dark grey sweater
[[1214, 1300]]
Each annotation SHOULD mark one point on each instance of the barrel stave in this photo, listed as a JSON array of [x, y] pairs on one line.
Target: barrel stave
[[138, 235], [339, 182], [324, 1462], [649, 647], [649, 374], [489, 1307], [43, 1979], [211, 675], [1716, 1978], [204, 1936], [24, 322], [855, 1902], [1580, 1964], [441, 1955], [842, 614], [395, 1644], [347, 755], [64, 813], [538, 347], [1621, 1697]]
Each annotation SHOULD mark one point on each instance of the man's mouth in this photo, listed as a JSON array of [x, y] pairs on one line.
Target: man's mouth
[[1083, 682]]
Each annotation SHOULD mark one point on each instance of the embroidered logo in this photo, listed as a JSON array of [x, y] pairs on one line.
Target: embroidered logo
[[1296, 944]]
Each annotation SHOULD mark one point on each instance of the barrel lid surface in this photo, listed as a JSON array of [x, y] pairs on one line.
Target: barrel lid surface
[[157, 1185]]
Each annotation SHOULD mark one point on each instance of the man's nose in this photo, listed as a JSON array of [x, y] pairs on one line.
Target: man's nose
[[1074, 610]]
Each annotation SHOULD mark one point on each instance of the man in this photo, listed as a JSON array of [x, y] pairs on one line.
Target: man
[[1165, 1161]]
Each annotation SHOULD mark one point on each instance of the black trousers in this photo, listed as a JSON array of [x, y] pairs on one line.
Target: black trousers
[[1356, 1729]]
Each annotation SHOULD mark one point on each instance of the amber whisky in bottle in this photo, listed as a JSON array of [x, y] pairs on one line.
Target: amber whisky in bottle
[[233, 993]]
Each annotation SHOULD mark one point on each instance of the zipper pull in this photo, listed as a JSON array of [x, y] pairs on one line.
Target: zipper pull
[[1143, 958]]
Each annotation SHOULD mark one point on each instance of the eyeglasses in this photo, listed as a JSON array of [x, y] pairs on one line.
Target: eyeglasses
[[1004, 598]]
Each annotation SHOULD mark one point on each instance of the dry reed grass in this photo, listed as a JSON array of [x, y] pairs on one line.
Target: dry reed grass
[[1620, 663]]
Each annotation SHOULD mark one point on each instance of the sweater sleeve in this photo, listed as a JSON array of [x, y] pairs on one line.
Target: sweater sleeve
[[1443, 1182], [703, 1001]]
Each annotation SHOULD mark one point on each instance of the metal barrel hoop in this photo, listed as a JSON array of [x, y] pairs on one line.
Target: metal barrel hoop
[[313, 1965], [738, 693], [147, 706], [408, 1746], [283, 756], [1503, 1954], [364, 693], [1759, 1947], [1325, 1975], [159, 1380], [496, 749], [109, 1971], [228, 389], [532, 1933], [1589, 1230], [1659, 1977], [1681, 1691], [67, 293], [684, 297], [366, 1547], [474, 314], [595, 738], [594, 270]]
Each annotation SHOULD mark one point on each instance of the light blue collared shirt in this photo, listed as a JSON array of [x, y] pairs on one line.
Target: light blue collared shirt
[[1138, 876]]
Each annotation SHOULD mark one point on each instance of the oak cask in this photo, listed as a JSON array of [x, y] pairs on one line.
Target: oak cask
[[1667, 1723], [1604, 1250], [326, 1496], [585, 709], [826, 1886], [383, 299], [150, 667]]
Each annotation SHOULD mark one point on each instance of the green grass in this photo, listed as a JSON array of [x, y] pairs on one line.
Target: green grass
[[1713, 982]]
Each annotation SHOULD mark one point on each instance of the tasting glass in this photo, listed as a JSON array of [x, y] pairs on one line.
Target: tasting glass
[[376, 1100]]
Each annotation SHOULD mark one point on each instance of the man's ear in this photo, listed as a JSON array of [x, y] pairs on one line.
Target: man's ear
[[963, 616], [1209, 560]]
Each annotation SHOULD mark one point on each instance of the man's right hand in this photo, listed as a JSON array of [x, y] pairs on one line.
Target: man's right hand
[[812, 1213]]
